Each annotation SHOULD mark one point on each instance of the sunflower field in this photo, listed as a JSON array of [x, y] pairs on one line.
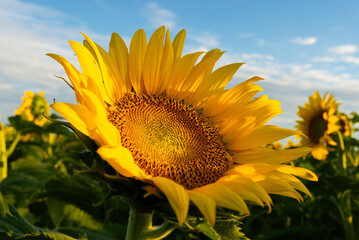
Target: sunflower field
[[158, 148]]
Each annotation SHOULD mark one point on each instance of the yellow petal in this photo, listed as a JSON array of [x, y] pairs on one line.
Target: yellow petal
[[217, 80], [75, 115], [273, 156], [94, 86], [121, 160], [235, 97], [93, 104], [205, 204], [87, 62], [105, 133], [293, 181], [177, 196], [137, 53], [224, 197], [111, 85], [252, 191], [118, 51], [122, 85], [298, 171], [152, 62], [180, 72], [275, 186], [178, 43], [262, 108], [198, 73], [166, 64], [72, 73], [260, 136]]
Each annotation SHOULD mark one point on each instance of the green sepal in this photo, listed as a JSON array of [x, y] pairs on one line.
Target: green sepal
[[92, 159], [88, 142]]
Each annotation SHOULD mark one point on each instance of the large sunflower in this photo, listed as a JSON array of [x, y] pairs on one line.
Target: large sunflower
[[318, 122], [167, 120]]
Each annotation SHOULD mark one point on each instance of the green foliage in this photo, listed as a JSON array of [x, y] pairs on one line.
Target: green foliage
[[13, 226], [43, 185], [58, 188]]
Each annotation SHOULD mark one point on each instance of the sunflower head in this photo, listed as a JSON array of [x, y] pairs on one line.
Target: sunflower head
[[318, 121], [168, 121], [290, 144], [276, 145], [34, 107], [344, 125]]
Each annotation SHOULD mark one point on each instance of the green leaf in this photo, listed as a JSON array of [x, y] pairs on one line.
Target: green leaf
[[78, 190], [13, 226], [56, 211], [207, 230], [81, 218], [23, 125], [229, 229], [355, 117]]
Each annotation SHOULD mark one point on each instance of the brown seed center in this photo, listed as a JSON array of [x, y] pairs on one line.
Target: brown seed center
[[169, 139], [317, 127]]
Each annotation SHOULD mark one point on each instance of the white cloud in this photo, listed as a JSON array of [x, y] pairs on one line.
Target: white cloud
[[324, 59], [261, 42], [203, 41], [28, 32], [343, 59], [158, 16], [351, 59], [305, 41], [256, 56], [344, 49]]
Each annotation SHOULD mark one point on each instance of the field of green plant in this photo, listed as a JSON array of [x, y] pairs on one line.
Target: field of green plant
[[53, 185]]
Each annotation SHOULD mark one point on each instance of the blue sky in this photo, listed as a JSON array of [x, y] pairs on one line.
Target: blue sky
[[297, 46]]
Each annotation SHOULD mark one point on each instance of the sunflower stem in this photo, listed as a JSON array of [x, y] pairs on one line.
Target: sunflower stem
[[159, 232], [342, 151], [140, 226], [3, 155], [137, 223]]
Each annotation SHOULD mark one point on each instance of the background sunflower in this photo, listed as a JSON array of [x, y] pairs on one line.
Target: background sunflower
[[318, 121]]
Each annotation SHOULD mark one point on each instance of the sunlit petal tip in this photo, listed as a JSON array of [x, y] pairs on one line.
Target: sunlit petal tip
[[177, 197], [121, 160], [205, 204]]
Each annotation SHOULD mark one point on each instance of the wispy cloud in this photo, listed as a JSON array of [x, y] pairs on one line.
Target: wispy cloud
[[342, 53], [28, 32], [203, 41], [158, 16], [246, 56], [324, 59], [305, 41], [344, 49]]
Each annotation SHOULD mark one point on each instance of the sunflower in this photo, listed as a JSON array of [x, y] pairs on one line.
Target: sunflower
[[34, 107], [166, 119], [344, 124], [276, 145], [318, 122], [291, 144]]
